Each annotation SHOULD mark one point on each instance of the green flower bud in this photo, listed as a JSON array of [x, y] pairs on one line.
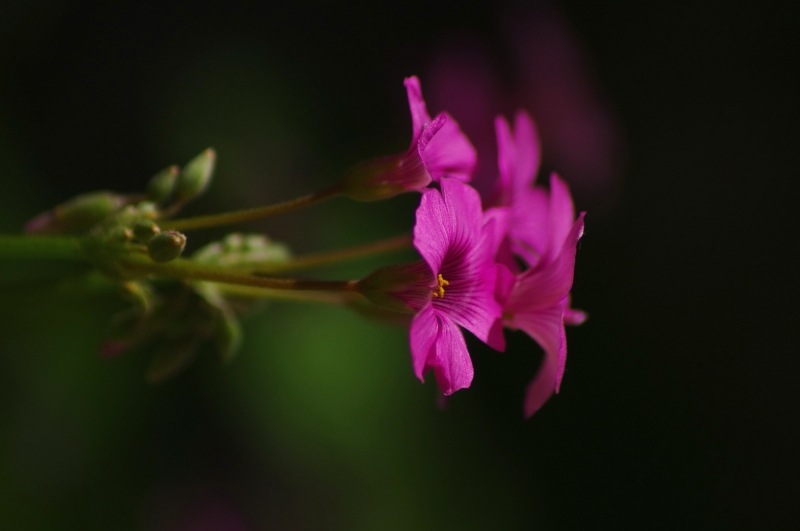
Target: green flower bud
[[119, 234], [78, 214], [148, 209], [145, 230], [161, 185], [166, 246], [195, 176]]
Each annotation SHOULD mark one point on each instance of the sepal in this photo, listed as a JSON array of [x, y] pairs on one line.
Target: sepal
[[403, 288]]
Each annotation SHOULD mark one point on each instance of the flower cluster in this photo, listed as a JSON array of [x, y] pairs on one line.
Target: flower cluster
[[487, 264], [504, 262]]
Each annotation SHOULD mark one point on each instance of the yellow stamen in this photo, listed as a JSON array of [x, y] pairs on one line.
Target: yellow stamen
[[440, 288]]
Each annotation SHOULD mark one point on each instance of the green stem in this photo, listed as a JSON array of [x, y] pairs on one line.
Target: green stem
[[321, 259], [274, 294], [41, 247], [188, 270], [239, 216]]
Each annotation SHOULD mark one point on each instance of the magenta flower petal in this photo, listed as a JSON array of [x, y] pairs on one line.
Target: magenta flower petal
[[445, 150], [451, 363], [575, 317], [450, 237], [561, 212], [504, 285], [538, 305], [438, 344], [547, 328], [518, 156], [469, 299], [419, 111], [541, 387], [458, 243], [423, 333], [450, 153], [506, 158], [447, 221], [528, 152], [529, 228], [539, 288]]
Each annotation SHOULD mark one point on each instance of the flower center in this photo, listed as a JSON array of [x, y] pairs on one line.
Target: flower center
[[440, 288]]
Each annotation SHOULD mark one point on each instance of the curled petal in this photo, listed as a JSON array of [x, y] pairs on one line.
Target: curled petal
[[541, 387], [540, 288], [561, 212], [419, 112], [546, 327], [449, 153]]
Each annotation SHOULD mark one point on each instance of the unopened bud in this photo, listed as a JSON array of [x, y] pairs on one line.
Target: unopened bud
[[120, 234], [160, 186], [196, 176], [78, 214], [145, 230], [166, 246], [148, 209]]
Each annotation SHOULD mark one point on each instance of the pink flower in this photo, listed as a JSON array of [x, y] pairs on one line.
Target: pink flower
[[457, 242], [438, 149], [446, 152], [543, 232], [536, 301], [518, 156]]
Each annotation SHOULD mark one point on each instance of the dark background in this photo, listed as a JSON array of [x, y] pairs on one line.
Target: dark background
[[678, 408]]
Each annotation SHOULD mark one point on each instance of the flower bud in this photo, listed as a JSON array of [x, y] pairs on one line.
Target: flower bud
[[195, 176], [78, 214], [148, 209], [161, 185], [145, 230], [166, 246], [119, 234], [403, 288]]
